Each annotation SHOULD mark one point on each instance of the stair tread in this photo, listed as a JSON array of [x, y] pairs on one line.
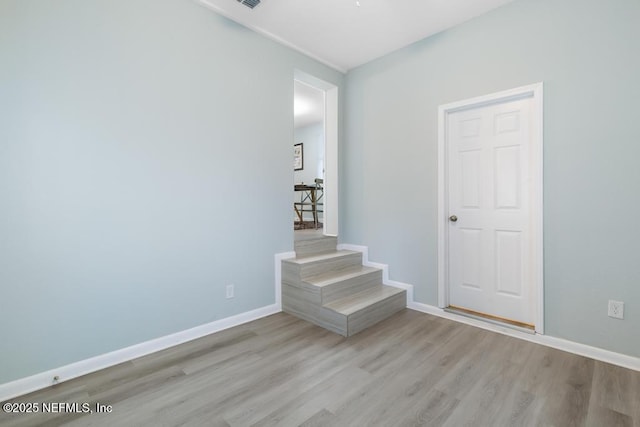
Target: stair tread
[[358, 301], [319, 257], [332, 277]]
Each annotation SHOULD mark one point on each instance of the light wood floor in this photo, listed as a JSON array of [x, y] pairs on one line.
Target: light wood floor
[[411, 369]]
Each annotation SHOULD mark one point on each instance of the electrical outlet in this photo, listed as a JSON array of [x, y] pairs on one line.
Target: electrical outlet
[[230, 291], [616, 309]]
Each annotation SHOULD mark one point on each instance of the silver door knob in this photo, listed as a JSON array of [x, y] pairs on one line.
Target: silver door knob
[[453, 218]]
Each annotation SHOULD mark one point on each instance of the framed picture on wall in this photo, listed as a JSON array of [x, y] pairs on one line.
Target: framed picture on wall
[[298, 157]]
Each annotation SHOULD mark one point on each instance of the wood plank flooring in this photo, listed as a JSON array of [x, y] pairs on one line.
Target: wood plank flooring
[[411, 369]]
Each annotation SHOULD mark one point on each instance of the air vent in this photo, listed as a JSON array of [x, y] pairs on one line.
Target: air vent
[[250, 3]]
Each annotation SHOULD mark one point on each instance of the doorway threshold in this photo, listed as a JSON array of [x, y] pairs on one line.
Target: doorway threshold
[[512, 324]]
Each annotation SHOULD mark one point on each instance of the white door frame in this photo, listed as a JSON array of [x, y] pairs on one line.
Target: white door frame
[[534, 92], [330, 215]]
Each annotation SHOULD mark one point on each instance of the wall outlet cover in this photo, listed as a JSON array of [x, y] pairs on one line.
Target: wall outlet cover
[[616, 309]]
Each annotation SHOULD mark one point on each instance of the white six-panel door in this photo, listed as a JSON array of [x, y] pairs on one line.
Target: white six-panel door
[[490, 253]]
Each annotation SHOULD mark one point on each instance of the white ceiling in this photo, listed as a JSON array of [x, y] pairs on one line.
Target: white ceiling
[[344, 35]]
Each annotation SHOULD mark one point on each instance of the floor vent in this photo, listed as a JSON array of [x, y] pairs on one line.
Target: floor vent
[[249, 3]]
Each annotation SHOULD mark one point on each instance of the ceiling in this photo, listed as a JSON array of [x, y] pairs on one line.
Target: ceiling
[[342, 34]]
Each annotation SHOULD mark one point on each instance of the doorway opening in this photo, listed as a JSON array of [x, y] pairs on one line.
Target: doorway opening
[[315, 145]]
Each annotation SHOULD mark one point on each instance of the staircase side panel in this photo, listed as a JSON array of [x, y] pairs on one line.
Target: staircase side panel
[[299, 302], [290, 272]]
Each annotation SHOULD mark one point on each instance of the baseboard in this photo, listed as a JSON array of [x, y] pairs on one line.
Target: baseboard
[[384, 267], [596, 353], [65, 373]]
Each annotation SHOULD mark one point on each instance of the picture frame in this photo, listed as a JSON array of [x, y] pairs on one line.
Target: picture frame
[[298, 157]]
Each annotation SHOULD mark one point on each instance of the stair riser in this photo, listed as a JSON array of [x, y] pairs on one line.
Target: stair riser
[[375, 313], [350, 286], [317, 246], [332, 264]]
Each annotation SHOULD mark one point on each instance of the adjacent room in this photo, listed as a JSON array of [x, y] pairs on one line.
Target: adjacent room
[[308, 160], [346, 213]]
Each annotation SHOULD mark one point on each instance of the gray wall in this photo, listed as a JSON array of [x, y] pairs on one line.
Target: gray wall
[[587, 55], [145, 163]]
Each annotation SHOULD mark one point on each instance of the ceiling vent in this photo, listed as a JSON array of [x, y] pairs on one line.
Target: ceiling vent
[[249, 3]]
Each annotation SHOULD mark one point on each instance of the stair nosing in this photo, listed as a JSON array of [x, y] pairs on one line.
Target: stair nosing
[[320, 257], [340, 275], [385, 291]]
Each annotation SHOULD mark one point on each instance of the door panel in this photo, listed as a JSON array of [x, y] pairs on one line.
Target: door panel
[[509, 263], [507, 177], [472, 262], [470, 186], [488, 156]]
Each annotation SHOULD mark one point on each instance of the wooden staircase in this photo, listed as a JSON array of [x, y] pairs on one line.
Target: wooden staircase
[[334, 290]]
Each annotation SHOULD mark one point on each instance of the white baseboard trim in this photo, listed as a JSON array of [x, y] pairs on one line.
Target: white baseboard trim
[[65, 373], [45, 379], [596, 353], [383, 267]]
